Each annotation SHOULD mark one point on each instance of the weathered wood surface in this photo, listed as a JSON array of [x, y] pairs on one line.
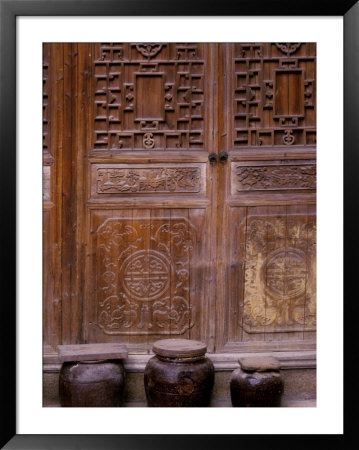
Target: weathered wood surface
[[91, 352], [144, 239], [253, 363], [179, 348]]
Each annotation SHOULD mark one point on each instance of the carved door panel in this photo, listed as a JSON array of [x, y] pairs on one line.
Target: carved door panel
[[268, 297], [144, 238], [145, 219]]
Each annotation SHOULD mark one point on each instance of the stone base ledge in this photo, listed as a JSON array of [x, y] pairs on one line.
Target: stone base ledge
[[223, 403], [221, 361]]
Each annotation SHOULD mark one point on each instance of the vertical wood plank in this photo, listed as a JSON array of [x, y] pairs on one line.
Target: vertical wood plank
[[119, 254], [236, 267], [252, 213], [68, 198], [209, 320], [94, 286], [181, 241], [160, 243], [142, 224], [53, 117], [199, 267], [311, 269], [79, 185]]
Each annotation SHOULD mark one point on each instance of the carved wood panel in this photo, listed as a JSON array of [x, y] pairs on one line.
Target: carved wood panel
[[279, 266], [149, 96], [272, 277], [273, 94], [127, 179], [145, 272], [273, 176]]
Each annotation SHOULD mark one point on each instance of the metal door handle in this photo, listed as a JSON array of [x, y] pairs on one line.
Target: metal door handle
[[223, 156], [212, 157]]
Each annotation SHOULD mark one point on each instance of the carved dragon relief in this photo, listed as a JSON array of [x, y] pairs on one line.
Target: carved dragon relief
[[144, 289], [279, 292]]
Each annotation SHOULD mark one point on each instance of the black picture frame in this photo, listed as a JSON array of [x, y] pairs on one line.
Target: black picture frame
[[9, 10]]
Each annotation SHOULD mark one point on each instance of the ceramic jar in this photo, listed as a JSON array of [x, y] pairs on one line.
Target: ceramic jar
[[257, 383], [96, 383], [179, 375]]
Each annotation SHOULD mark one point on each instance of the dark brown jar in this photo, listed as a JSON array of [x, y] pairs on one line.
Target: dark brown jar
[[257, 383], [179, 375], [91, 383]]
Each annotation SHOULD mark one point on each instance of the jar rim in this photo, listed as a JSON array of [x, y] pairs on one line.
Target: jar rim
[[179, 360], [179, 348], [259, 364]]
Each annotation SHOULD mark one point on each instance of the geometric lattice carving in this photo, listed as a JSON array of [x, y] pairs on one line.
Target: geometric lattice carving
[[280, 267], [274, 94], [45, 99], [148, 96], [143, 286]]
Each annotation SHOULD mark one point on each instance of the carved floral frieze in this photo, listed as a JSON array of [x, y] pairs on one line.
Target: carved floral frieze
[[275, 177], [147, 180]]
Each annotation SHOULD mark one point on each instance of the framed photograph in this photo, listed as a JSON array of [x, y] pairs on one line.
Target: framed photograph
[[175, 197]]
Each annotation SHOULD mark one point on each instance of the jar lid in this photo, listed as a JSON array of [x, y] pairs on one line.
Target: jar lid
[[179, 348], [259, 363], [91, 352]]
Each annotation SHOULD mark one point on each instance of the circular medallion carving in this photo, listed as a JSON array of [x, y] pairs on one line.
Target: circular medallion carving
[[284, 272], [145, 275]]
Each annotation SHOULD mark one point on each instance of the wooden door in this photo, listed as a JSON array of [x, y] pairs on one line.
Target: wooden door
[[266, 220], [148, 209], [152, 240]]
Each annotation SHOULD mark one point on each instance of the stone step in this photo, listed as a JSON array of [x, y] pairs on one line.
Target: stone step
[[219, 403]]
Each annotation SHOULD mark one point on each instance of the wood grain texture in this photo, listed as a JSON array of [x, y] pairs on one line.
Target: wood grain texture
[[273, 94], [141, 263], [53, 116], [149, 99], [91, 352], [144, 238], [265, 193]]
